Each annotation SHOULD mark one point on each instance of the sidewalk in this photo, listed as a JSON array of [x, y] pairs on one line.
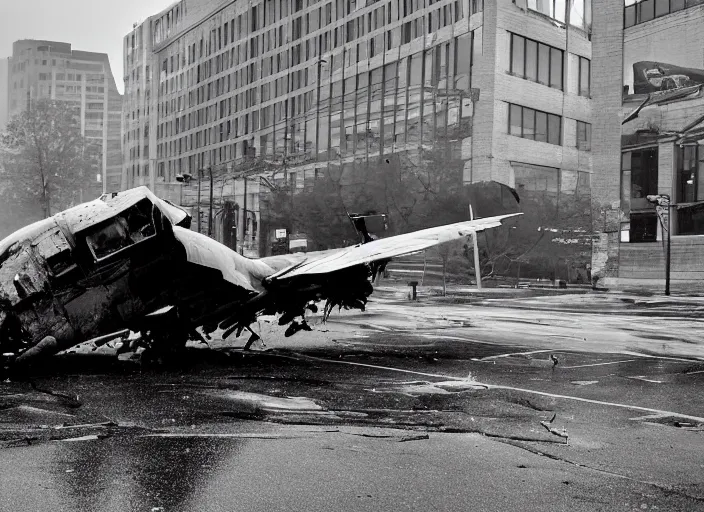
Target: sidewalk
[[574, 298]]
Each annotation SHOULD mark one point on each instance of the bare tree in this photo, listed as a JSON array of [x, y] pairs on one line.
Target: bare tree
[[45, 157]]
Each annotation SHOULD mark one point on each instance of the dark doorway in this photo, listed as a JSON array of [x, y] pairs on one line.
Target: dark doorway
[[229, 225]]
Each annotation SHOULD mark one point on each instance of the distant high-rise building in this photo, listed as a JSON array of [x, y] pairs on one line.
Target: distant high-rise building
[[135, 106], [51, 69], [3, 92]]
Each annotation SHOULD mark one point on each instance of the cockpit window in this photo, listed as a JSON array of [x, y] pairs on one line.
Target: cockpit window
[[126, 229]]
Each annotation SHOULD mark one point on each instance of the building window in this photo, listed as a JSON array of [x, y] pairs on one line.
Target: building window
[[690, 190], [584, 77], [639, 170], [536, 179], [636, 12], [639, 178], [584, 136], [554, 9], [535, 125], [536, 61], [581, 14]]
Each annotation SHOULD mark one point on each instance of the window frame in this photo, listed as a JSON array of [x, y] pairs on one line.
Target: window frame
[[588, 132], [589, 77], [524, 60], [549, 135], [633, 14]]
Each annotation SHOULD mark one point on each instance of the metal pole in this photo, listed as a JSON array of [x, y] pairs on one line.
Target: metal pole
[[667, 262], [210, 211], [198, 202], [477, 268], [244, 216]]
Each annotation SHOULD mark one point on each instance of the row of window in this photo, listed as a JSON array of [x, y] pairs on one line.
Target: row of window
[[577, 12], [283, 34], [71, 77], [441, 63], [540, 126], [264, 68], [646, 10], [367, 109], [544, 64]]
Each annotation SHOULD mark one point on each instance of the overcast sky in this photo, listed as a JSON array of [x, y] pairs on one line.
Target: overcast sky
[[90, 25]]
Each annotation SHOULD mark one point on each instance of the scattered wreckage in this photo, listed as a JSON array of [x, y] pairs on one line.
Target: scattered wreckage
[[128, 261]]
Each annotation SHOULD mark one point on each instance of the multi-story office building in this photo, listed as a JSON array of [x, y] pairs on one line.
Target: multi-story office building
[[50, 69], [313, 84], [4, 105], [137, 158], [650, 109]]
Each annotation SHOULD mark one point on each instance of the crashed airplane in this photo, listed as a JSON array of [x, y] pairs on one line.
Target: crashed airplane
[[128, 261]]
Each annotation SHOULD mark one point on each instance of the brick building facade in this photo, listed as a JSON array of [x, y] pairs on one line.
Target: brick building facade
[[648, 141]]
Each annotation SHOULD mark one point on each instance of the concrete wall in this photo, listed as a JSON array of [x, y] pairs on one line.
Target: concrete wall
[[607, 61], [643, 265]]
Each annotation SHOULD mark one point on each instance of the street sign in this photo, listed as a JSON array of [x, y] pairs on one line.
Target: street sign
[[280, 233]]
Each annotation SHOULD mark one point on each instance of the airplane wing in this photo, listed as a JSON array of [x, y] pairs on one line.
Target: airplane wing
[[340, 278], [390, 247]]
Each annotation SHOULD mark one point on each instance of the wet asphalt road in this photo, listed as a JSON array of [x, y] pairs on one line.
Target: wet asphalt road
[[409, 407]]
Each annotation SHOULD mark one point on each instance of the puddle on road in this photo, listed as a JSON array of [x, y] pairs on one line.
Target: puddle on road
[[416, 388], [246, 405], [584, 382], [27, 413], [268, 403]]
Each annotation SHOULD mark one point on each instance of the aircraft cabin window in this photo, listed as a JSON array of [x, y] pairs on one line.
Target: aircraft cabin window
[[128, 228]]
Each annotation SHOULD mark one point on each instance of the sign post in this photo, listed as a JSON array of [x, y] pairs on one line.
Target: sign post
[[477, 268], [662, 208]]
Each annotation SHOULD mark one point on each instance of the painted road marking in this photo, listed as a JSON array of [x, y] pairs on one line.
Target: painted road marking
[[507, 388], [597, 364], [599, 402], [629, 353], [642, 377], [511, 354]]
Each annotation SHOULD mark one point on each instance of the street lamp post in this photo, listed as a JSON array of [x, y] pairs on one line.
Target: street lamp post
[[198, 203], [244, 215], [210, 209], [662, 204]]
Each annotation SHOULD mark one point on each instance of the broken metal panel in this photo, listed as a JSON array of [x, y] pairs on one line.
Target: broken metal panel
[[90, 214], [18, 279], [86, 311], [26, 233]]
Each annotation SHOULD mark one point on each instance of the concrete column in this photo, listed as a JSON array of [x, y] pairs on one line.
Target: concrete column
[[607, 82]]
